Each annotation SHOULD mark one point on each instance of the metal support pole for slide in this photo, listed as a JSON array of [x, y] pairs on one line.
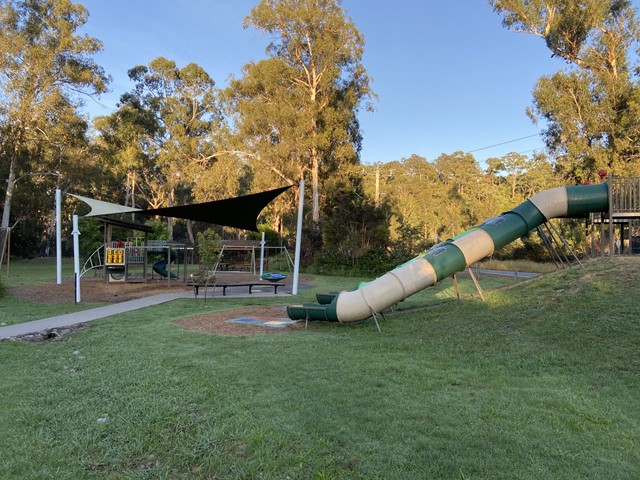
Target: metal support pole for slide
[[455, 286], [564, 242], [552, 251], [375, 314], [559, 249], [475, 282]]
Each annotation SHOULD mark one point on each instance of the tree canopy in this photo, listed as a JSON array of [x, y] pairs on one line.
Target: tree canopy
[[590, 108], [177, 137], [297, 110], [46, 68]]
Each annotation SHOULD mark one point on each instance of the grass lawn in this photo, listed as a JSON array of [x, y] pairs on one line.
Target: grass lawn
[[34, 271], [31, 272], [540, 381]]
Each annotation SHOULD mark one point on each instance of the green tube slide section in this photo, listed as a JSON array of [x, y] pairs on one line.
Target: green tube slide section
[[445, 258], [454, 255]]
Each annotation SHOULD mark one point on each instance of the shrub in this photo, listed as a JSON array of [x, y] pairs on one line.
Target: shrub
[[91, 234], [270, 235], [373, 262], [209, 244]]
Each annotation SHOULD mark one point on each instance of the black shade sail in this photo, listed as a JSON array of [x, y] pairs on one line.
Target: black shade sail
[[238, 212]]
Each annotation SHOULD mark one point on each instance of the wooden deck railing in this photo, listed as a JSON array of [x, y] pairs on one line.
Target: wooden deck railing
[[625, 196]]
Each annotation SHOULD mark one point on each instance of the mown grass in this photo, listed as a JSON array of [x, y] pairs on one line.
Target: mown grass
[[517, 266], [33, 272], [539, 381], [17, 310]]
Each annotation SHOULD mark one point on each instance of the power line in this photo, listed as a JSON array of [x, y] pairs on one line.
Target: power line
[[532, 150], [504, 143], [622, 110]]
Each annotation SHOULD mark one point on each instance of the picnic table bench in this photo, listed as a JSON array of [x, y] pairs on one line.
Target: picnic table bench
[[250, 285], [224, 286]]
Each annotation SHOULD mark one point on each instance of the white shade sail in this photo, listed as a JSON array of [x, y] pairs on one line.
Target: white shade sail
[[98, 207]]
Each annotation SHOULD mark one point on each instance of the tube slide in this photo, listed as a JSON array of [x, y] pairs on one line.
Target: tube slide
[[454, 255]]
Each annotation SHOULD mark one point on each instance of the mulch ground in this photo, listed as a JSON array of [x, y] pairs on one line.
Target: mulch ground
[[217, 322], [93, 289]]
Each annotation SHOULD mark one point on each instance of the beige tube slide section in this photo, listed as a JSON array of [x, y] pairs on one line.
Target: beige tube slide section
[[391, 288]]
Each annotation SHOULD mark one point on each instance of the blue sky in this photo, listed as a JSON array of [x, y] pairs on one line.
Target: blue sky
[[448, 76]]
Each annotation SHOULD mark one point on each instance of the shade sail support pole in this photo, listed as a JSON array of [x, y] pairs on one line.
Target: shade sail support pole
[[296, 265]]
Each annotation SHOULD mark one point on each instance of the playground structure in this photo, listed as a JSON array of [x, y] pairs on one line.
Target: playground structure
[[237, 212], [129, 261], [618, 228], [615, 199]]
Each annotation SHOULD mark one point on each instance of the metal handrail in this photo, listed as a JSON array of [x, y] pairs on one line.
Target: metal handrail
[[94, 261]]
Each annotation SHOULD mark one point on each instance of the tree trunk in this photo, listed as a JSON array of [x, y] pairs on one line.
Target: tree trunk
[[377, 197], [279, 228], [133, 193], [127, 190], [170, 219], [6, 212], [192, 239], [315, 195]]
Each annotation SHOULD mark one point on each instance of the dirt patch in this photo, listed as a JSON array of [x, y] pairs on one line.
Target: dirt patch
[[49, 335], [93, 289], [217, 322]]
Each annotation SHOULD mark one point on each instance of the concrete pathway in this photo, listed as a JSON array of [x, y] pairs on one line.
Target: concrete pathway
[[508, 273], [87, 315]]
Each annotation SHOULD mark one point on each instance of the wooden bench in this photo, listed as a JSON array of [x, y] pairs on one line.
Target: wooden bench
[[224, 286], [250, 285]]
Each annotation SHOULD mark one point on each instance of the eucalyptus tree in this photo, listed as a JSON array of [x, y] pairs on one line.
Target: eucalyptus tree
[[459, 170], [413, 188], [522, 175], [123, 142], [177, 111], [540, 175], [297, 110], [354, 224], [45, 69], [470, 196], [513, 165], [591, 107]]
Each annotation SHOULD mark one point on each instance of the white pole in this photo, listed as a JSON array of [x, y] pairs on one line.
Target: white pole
[[262, 255], [76, 256], [58, 236], [296, 265]]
